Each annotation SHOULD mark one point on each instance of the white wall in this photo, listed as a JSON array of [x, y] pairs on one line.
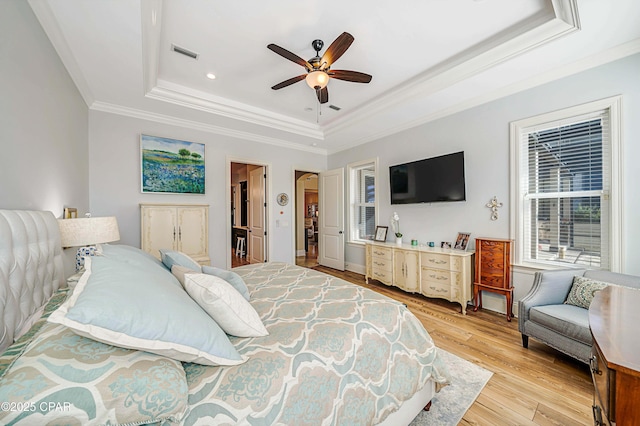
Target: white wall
[[114, 164], [43, 120], [483, 134]]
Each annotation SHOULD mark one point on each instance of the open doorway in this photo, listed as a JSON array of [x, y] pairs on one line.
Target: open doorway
[[307, 214], [248, 213]]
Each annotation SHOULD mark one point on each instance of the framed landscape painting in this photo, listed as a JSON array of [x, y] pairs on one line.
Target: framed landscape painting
[[171, 165]]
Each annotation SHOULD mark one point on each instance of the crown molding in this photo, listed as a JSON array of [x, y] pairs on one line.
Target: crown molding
[[601, 58], [194, 99], [539, 30], [49, 24], [196, 125]]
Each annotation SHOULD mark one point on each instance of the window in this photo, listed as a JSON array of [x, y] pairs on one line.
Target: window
[[566, 175], [362, 200]]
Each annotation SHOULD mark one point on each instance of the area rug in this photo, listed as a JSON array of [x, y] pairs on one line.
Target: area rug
[[450, 404]]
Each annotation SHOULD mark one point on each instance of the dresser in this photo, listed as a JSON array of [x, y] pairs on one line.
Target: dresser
[[493, 271], [181, 227], [433, 272], [615, 359]]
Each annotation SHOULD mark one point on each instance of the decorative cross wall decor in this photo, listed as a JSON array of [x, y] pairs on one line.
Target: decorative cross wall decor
[[493, 205]]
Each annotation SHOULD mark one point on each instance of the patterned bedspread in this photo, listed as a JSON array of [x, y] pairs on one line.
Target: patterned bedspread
[[336, 354]]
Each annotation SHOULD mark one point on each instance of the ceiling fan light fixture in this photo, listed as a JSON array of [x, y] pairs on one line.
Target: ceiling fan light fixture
[[317, 79]]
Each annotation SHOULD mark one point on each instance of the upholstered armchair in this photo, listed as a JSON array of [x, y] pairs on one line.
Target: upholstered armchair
[[543, 315]]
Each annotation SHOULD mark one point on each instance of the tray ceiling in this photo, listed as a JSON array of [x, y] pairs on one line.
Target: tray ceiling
[[428, 59]]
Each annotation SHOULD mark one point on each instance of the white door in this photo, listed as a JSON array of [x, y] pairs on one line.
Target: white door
[[331, 219], [257, 216]]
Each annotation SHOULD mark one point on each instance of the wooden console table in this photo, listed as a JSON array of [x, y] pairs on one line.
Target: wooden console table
[[615, 359], [493, 271]]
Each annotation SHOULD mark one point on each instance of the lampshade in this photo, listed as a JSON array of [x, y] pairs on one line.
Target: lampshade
[[88, 231], [317, 79]]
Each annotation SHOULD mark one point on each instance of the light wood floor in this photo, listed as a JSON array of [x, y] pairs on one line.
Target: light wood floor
[[535, 386]]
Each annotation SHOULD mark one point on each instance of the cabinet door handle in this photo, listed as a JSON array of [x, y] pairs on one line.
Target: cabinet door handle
[[593, 365], [180, 233], [597, 415], [174, 233]]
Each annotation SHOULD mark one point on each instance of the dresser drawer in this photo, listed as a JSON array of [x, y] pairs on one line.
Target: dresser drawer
[[382, 275], [381, 263], [435, 289], [385, 253], [436, 275], [439, 261]]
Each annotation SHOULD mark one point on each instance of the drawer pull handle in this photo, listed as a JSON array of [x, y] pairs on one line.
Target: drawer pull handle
[[379, 264], [438, 290], [437, 262]]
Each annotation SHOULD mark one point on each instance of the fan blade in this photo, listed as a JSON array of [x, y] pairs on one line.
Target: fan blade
[[289, 82], [353, 76], [290, 56], [337, 48], [323, 95]]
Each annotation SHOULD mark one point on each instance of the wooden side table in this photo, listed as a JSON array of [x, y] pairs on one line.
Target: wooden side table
[[615, 360], [493, 271]]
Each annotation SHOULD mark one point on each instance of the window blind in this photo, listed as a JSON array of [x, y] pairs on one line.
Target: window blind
[[566, 181], [363, 202]]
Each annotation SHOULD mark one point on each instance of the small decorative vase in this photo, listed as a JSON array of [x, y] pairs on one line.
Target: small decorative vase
[[399, 241]]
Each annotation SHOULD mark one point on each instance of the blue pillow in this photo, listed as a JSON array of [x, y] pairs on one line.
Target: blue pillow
[[134, 303], [172, 257], [126, 253], [229, 276]]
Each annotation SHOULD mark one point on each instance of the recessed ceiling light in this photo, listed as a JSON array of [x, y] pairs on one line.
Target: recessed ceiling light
[[308, 109], [314, 144], [211, 76]]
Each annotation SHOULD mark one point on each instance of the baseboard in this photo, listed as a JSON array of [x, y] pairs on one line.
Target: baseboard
[[358, 269]]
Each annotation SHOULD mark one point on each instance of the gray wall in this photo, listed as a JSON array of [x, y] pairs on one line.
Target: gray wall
[[483, 134], [43, 120], [114, 164]]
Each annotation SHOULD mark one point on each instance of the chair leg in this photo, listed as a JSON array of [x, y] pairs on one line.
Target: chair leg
[[525, 341]]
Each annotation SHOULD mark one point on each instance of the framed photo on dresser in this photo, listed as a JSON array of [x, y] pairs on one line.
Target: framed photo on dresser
[[462, 241], [381, 233]]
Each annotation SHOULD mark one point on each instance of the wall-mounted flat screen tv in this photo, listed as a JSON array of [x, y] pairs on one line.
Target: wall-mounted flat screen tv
[[430, 180]]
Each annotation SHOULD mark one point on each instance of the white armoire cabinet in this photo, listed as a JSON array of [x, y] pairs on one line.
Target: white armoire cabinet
[[182, 227]]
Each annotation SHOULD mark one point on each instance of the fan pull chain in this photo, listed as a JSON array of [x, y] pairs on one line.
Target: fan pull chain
[[319, 108]]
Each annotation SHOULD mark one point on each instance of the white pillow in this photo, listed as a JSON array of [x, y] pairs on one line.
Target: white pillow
[[224, 304]]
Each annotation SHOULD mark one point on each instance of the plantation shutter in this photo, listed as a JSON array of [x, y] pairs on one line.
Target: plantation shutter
[[566, 182]]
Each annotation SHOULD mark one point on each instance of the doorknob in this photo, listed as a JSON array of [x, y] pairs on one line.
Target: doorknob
[[339, 232]]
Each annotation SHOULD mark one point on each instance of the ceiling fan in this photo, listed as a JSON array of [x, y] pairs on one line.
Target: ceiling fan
[[319, 68]]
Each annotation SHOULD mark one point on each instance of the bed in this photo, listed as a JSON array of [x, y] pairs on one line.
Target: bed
[[329, 352]]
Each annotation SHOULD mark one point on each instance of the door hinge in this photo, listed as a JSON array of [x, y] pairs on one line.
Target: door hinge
[[265, 232], [265, 204]]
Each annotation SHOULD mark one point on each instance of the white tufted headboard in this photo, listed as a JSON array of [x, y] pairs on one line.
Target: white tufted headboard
[[31, 267]]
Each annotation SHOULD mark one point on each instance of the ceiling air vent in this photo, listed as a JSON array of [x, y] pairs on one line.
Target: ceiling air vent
[[184, 51], [337, 108]]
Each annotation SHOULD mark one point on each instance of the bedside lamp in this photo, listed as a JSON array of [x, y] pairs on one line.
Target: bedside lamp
[[85, 233]]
